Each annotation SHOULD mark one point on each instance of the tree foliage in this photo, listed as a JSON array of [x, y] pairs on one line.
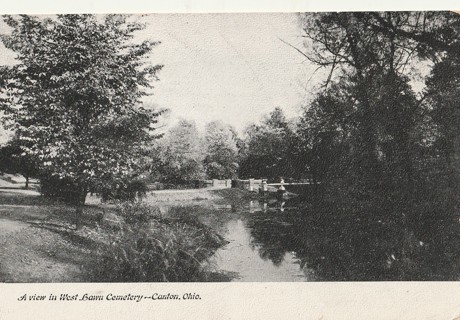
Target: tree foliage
[[221, 151], [268, 148], [443, 92], [14, 159], [75, 93], [178, 157], [369, 105]]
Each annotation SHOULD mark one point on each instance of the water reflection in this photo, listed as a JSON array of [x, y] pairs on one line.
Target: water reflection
[[244, 257], [286, 242]]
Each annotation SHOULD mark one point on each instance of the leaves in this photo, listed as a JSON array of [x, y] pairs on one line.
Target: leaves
[[75, 93], [222, 151], [178, 157], [269, 148]]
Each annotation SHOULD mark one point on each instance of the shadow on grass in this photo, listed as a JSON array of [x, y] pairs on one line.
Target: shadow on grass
[[57, 215], [74, 250], [21, 197], [69, 235]]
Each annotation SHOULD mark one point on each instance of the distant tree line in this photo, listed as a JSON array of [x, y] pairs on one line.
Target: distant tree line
[[185, 154]]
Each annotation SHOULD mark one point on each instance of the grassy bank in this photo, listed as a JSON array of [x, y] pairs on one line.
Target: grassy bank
[[127, 242], [227, 196]]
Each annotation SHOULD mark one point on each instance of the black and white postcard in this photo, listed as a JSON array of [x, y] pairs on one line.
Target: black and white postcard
[[298, 164]]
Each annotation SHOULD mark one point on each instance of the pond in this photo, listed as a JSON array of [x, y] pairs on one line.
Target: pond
[[291, 242]]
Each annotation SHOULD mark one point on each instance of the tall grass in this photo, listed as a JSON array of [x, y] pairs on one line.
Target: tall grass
[[146, 247]]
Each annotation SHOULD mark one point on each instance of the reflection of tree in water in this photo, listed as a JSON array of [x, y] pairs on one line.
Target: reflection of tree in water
[[360, 246], [272, 236], [217, 219]]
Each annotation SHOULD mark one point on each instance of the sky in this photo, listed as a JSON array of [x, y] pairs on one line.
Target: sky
[[229, 67]]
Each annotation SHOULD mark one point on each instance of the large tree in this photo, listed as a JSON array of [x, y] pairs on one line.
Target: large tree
[[443, 92], [268, 148], [75, 93], [178, 156], [371, 57], [14, 159], [323, 134], [222, 151]]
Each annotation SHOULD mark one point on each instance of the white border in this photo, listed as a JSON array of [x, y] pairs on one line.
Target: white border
[[345, 300], [199, 6]]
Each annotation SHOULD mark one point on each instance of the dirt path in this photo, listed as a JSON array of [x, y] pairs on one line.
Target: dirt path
[[8, 227], [31, 251]]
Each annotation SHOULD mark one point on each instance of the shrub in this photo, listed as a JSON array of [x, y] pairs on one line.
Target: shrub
[[66, 190], [149, 248], [59, 189], [124, 191], [137, 212]]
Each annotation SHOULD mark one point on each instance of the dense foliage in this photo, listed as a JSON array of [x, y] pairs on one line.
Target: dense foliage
[[145, 247], [178, 157], [74, 95], [15, 159], [371, 132], [221, 151], [268, 148]]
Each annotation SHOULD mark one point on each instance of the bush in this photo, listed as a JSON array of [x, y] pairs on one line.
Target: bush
[[56, 188], [149, 248], [134, 213], [125, 191]]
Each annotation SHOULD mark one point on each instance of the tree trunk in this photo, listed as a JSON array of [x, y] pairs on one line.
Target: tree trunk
[[27, 182], [80, 204]]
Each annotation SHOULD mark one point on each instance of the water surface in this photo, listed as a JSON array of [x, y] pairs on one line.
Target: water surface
[[288, 242]]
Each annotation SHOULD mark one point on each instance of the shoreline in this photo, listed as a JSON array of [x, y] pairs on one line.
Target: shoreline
[[42, 246]]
